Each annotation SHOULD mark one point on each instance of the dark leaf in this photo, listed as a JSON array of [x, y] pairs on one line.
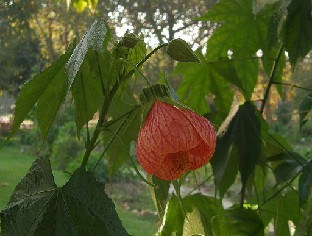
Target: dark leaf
[[286, 165], [80, 207], [304, 108], [298, 31], [247, 138], [224, 165], [305, 183]]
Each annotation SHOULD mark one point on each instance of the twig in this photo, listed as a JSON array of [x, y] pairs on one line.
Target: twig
[[271, 81], [293, 86]]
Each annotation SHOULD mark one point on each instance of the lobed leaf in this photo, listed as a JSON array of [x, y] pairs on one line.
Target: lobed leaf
[[80, 207]]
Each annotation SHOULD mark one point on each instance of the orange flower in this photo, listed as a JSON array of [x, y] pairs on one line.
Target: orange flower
[[173, 141]]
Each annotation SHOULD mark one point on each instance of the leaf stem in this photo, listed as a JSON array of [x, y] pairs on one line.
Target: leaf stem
[[293, 86], [271, 81]]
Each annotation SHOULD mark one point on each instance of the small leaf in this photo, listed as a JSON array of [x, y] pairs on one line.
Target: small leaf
[[94, 39], [286, 165], [298, 31], [304, 108], [160, 194], [179, 50], [80, 207], [305, 184]]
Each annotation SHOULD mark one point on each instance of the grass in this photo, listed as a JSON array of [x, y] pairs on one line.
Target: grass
[[14, 165]]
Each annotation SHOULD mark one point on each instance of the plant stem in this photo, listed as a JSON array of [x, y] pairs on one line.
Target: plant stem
[[107, 102], [293, 85], [271, 81]]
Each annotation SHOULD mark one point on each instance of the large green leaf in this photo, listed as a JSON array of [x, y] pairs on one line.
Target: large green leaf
[[193, 219], [282, 208], [201, 80], [160, 193], [87, 94], [39, 207], [233, 16], [94, 39], [298, 31], [238, 222], [48, 89]]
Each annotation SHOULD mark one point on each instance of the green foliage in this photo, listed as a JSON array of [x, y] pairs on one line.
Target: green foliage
[[48, 89], [160, 194], [37, 202], [298, 32], [98, 75], [245, 133], [304, 109], [66, 147], [238, 222], [191, 215]]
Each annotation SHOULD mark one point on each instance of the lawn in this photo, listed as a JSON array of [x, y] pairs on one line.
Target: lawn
[[14, 165]]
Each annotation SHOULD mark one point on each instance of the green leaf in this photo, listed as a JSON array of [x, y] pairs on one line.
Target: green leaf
[[48, 89], [304, 108], [305, 183], [298, 31], [238, 222], [94, 39], [286, 165], [38, 207], [201, 80], [160, 194], [87, 94], [128, 128], [247, 138], [224, 165], [198, 208], [304, 226], [233, 16], [282, 208]]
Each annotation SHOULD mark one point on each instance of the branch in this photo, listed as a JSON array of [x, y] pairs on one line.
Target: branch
[[293, 86], [271, 81]]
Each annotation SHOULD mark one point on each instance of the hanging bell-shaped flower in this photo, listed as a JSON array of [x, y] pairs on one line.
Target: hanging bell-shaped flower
[[173, 139]]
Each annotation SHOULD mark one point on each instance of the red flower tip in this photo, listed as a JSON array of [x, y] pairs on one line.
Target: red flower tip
[[173, 141]]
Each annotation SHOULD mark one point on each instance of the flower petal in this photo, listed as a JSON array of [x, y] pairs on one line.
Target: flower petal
[[167, 130]]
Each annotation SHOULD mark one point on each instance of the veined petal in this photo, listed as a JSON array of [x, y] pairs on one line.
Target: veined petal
[[167, 130]]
